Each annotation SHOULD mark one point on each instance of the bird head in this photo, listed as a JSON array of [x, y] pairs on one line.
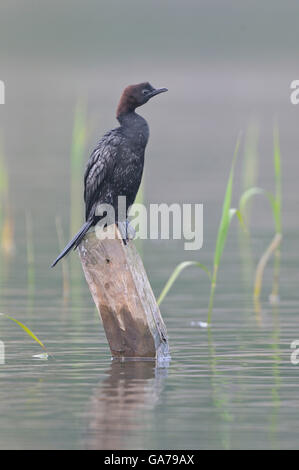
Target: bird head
[[136, 95]]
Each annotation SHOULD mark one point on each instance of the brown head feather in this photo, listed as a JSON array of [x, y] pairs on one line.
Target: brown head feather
[[130, 99]]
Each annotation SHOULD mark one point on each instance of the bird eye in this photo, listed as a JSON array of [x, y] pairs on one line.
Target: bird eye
[[145, 91]]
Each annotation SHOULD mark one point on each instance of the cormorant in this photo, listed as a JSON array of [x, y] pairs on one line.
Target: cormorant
[[115, 166]]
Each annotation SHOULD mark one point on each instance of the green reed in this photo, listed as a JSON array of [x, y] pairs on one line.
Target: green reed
[[250, 163], [226, 217], [227, 214], [243, 215], [275, 200], [26, 329], [277, 213], [175, 274]]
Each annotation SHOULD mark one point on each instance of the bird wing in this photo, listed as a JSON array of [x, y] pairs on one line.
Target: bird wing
[[99, 168]]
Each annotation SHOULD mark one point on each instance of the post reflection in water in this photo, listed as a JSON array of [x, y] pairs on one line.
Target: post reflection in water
[[118, 406]]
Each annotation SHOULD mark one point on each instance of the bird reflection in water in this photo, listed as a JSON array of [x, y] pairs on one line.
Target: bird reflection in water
[[119, 404]]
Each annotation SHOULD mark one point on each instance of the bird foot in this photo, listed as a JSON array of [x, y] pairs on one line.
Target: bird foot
[[126, 230]]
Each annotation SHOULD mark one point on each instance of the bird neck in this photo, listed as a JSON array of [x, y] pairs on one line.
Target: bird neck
[[134, 127]]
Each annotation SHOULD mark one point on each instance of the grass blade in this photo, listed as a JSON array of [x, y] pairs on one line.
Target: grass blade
[[226, 217], [247, 196], [26, 329], [249, 181], [177, 271], [277, 209], [278, 189], [262, 264], [239, 214], [250, 163]]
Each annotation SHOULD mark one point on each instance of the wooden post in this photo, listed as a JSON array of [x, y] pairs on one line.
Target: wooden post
[[124, 298]]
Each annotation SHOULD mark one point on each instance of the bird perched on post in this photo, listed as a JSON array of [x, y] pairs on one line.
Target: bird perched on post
[[115, 167]]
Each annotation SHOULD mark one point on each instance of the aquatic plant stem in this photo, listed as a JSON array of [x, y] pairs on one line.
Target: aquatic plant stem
[[262, 264], [176, 272], [226, 217], [274, 297], [212, 293], [26, 329]]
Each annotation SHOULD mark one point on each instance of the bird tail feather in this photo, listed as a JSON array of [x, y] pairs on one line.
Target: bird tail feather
[[74, 242]]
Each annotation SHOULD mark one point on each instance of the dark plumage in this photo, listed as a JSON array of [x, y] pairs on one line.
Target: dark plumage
[[115, 166]]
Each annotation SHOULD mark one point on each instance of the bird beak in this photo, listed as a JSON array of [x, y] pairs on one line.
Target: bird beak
[[157, 92]]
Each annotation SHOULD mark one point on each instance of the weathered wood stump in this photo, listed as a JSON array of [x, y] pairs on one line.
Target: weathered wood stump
[[124, 298]]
